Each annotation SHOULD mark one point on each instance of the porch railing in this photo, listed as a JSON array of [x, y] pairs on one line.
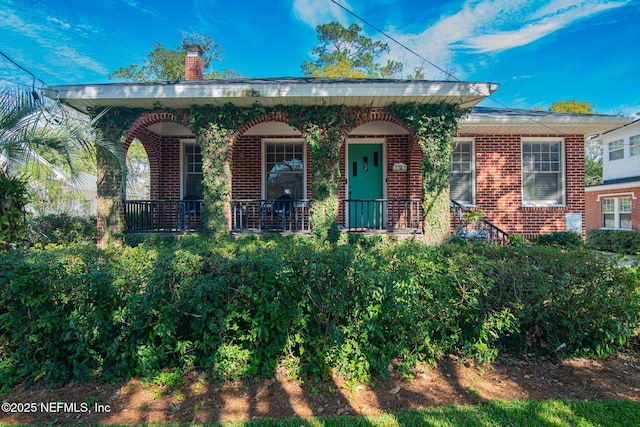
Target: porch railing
[[482, 229], [169, 216], [392, 215], [251, 215]]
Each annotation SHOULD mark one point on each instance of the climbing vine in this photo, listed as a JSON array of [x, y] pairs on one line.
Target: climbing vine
[[324, 129], [434, 126]]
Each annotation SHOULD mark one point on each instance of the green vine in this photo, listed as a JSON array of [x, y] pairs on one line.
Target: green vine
[[324, 129], [434, 126]]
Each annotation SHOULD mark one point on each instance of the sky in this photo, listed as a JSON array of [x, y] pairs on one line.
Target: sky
[[538, 51]]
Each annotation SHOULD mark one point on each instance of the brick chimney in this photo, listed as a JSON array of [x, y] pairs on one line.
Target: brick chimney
[[193, 65]]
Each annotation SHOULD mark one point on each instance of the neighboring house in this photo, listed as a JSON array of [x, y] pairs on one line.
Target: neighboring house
[[524, 169], [614, 203]]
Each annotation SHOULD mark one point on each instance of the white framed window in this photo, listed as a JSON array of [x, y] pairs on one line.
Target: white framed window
[[542, 172], [284, 169], [462, 180], [616, 150], [616, 212], [192, 176], [634, 145]]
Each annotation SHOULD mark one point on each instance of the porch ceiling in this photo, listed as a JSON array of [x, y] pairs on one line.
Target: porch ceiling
[[271, 92]]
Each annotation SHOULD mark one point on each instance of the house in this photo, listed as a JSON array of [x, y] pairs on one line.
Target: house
[[614, 203], [309, 154]]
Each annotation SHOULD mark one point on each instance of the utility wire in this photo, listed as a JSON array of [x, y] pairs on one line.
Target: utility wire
[[448, 74], [34, 94]]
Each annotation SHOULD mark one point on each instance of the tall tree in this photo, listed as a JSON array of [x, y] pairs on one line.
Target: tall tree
[[345, 52], [166, 64], [592, 149]]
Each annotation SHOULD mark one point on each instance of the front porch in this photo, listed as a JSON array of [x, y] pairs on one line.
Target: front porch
[[273, 216]]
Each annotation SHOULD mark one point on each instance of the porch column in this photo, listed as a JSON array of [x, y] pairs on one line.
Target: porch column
[[110, 210]]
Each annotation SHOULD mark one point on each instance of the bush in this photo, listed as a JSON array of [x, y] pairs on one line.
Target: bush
[[13, 198], [61, 228], [565, 239], [621, 241], [241, 308]]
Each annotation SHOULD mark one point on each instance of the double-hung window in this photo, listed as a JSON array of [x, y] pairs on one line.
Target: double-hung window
[[192, 176], [634, 144], [284, 169], [462, 173], [542, 172], [616, 150], [616, 212]]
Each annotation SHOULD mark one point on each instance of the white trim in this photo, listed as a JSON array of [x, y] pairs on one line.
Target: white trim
[[473, 169], [563, 170], [263, 162], [614, 195], [616, 186]]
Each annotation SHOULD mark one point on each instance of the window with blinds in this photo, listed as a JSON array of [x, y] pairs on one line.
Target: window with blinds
[[462, 173], [542, 174], [616, 150]]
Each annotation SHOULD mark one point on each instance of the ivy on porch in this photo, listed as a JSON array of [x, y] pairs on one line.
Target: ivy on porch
[[324, 128]]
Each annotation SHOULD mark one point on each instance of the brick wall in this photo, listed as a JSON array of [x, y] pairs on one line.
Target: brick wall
[[593, 201], [498, 175], [499, 184]]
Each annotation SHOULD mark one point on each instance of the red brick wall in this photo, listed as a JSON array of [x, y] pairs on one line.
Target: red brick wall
[[594, 206], [498, 175], [499, 184], [246, 166]]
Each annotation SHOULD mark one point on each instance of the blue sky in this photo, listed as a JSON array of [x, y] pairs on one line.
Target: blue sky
[[538, 51]]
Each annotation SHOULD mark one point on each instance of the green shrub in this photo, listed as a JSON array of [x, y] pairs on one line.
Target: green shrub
[[241, 308], [621, 241], [13, 198], [565, 239], [61, 228]]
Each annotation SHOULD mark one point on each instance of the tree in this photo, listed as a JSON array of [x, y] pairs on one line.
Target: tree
[[344, 52], [165, 64], [572, 106], [138, 181], [592, 149], [37, 135]]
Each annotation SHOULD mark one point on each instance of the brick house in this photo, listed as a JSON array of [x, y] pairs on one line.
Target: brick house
[[614, 203], [524, 169]]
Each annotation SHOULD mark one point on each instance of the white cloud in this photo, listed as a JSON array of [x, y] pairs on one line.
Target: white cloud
[[490, 26], [314, 12], [541, 22]]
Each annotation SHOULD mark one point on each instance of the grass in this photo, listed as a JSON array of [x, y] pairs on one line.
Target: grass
[[521, 413]]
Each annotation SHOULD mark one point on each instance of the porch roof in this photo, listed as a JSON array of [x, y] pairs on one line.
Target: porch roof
[[506, 121], [271, 92]]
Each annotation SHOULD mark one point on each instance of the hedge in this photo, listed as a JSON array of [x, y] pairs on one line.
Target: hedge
[[621, 241], [242, 308]]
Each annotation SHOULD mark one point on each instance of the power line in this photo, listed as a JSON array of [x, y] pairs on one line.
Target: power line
[[448, 74], [34, 94]]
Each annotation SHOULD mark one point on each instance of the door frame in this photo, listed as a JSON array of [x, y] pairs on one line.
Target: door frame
[[383, 163]]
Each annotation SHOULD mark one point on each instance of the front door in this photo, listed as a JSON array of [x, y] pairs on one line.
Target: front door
[[365, 205]]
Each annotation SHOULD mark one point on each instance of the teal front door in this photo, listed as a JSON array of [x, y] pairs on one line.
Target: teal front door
[[366, 207]]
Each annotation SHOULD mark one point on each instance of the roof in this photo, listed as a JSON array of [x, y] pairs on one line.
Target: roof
[[621, 131], [616, 184], [271, 92], [504, 121]]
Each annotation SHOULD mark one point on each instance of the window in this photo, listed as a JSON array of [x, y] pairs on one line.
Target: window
[[192, 171], [542, 173], [634, 143], [616, 150], [462, 176], [616, 212], [284, 170]]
